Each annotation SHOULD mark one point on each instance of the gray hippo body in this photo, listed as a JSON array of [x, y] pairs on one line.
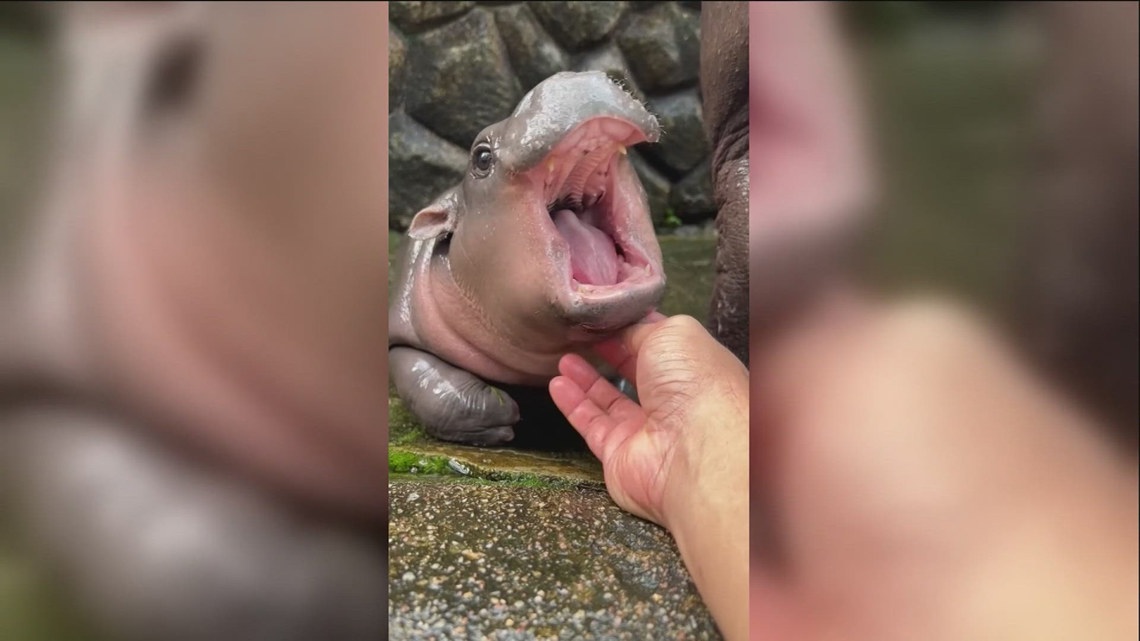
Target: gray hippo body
[[544, 248]]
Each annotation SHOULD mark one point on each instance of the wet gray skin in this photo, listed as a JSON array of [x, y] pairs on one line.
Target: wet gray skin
[[545, 248]]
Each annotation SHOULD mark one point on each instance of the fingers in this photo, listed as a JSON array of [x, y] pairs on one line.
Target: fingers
[[633, 337], [673, 335], [602, 415], [596, 387], [572, 402], [584, 415], [615, 352]]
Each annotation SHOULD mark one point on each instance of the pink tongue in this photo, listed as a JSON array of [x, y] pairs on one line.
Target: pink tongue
[[593, 259]]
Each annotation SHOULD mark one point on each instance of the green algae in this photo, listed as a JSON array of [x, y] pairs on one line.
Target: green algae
[[411, 464], [405, 462]]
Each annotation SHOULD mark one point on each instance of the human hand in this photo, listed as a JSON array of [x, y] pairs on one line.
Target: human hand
[[915, 481], [680, 457], [687, 384]]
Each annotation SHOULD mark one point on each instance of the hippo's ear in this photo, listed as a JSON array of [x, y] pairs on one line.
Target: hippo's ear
[[434, 221]]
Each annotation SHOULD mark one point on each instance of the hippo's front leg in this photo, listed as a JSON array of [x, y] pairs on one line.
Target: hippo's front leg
[[452, 404]]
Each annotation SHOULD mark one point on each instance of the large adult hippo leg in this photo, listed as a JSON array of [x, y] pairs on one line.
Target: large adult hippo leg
[[724, 86], [1078, 307], [453, 404]]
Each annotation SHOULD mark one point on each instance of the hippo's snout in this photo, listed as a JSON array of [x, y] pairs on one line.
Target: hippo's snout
[[560, 105]]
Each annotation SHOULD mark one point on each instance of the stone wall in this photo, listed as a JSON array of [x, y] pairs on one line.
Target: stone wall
[[456, 67]]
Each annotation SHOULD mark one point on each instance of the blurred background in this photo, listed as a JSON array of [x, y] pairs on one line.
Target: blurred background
[[25, 82], [30, 605], [1006, 144], [37, 603], [951, 92]]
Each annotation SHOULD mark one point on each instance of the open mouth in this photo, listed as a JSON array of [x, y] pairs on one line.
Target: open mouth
[[594, 206]]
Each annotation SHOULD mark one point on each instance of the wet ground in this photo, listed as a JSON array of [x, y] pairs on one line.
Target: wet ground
[[475, 560], [32, 608]]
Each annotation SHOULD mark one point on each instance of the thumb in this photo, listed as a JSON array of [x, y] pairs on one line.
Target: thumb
[[617, 352], [633, 337]]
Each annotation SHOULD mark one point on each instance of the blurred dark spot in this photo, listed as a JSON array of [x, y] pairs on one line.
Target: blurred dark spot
[[174, 77]]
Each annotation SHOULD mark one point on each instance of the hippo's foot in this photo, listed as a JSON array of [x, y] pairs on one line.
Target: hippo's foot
[[156, 547], [451, 403]]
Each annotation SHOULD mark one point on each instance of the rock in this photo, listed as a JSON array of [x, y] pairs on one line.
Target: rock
[[656, 187], [662, 46], [692, 197], [609, 60], [534, 56], [455, 68], [421, 166], [578, 25], [461, 79], [417, 16], [683, 145], [397, 63]]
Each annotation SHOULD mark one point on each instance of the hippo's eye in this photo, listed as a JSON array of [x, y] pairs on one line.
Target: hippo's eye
[[481, 159]]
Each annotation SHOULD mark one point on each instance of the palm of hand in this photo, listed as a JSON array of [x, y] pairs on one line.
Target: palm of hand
[[629, 439], [638, 444]]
